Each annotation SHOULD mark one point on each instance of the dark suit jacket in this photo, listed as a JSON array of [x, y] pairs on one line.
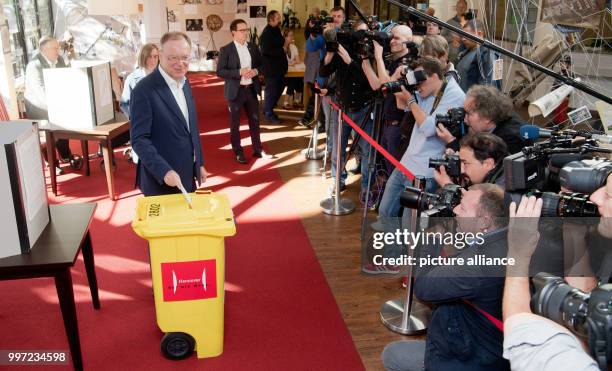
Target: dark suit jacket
[[160, 137], [271, 43], [228, 68], [510, 131]]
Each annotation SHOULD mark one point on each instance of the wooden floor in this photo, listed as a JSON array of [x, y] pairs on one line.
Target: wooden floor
[[336, 241]]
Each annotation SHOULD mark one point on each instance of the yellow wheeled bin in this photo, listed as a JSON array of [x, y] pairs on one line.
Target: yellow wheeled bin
[[188, 268]]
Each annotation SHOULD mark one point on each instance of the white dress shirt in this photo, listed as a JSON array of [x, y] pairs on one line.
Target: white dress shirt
[[51, 64], [245, 61], [176, 87]]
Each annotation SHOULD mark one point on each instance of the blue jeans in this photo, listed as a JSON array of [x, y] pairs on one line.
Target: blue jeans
[[391, 138], [357, 117], [331, 120], [397, 182], [404, 355], [273, 91]]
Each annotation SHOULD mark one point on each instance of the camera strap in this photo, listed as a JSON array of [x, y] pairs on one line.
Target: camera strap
[[438, 97], [496, 322]]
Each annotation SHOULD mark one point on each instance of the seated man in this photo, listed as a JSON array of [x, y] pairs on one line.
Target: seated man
[[466, 299], [35, 98], [482, 156], [489, 110]]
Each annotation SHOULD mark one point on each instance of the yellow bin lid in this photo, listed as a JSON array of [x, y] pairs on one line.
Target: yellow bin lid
[[170, 215]]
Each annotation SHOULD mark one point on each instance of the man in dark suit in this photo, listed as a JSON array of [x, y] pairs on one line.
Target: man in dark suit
[[35, 98], [274, 64], [164, 127], [238, 64]]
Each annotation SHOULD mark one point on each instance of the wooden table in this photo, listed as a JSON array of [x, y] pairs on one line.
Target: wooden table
[[54, 253], [103, 134]]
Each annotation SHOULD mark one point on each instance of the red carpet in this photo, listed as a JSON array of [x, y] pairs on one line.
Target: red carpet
[[279, 311]]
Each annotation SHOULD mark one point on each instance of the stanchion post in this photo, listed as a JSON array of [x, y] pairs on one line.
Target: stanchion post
[[311, 152], [335, 205], [405, 316]]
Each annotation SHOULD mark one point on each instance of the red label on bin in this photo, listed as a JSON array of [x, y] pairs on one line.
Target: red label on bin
[[189, 280]]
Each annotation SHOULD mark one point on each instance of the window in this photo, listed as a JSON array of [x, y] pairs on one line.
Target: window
[[28, 21]]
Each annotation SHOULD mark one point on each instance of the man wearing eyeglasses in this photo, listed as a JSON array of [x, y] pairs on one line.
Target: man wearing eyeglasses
[[238, 64], [164, 128]]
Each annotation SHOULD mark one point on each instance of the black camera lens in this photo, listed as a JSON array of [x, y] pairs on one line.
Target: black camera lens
[[568, 205]]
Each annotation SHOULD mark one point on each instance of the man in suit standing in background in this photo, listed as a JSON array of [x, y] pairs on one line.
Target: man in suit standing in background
[[35, 97], [238, 64], [164, 126], [274, 64]]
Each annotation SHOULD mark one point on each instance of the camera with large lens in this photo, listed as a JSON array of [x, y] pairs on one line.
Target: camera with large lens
[[364, 45], [451, 163], [588, 315], [319, 23], [432, 204], [567, 204], [585, 176], [411, 80], [453, 121]]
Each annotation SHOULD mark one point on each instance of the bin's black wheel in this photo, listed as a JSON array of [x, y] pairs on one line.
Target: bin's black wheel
[[177, 345], [76, 162]]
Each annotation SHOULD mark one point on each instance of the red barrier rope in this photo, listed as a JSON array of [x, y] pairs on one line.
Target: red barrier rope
[[372, 142]]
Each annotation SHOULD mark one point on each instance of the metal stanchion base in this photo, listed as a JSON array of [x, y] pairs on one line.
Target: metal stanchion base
[[392, 313], [312, 155], [342, 207]]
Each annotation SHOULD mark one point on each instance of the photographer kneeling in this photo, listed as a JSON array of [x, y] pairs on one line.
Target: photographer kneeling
[[488, 110], [435, 96], [460, 336], [481, 157]]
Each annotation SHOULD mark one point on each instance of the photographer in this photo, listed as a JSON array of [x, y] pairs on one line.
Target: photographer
[[481, 156], [603, 199], [488, 110], [391, 136], [532, 342], [436, 46], [460, 336], [435, 96], [354, 95]]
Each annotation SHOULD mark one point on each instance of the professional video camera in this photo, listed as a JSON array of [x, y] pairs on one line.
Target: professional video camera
[[585, 176], [319, 23], [411, 80], [451, 163], [587, 315], [567, 204], [453, 121], [432, 204], [530, 168], [364, 45]]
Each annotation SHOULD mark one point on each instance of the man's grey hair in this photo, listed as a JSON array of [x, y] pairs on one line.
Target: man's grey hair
[[490, 103], [44, 41]]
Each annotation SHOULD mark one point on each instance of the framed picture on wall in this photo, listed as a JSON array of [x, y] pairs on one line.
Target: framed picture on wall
[[194, 25], [242, 7], [257, 11]]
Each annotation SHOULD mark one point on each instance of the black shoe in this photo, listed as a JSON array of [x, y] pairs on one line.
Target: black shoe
[[263, 155], [240, 158], [304, 123], [272, 118]]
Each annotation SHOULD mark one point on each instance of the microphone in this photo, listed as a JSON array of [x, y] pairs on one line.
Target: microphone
[[532, 132]]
